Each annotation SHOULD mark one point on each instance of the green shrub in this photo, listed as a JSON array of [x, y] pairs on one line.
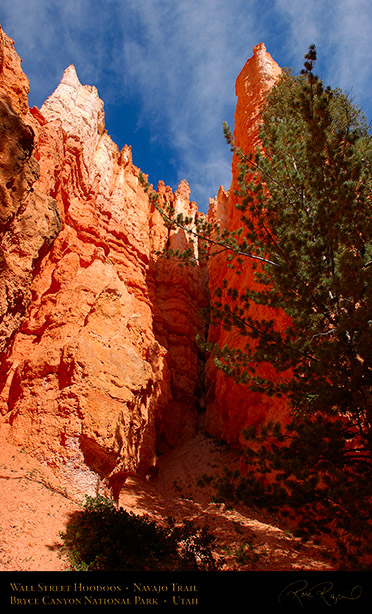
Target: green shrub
[[103, 538]]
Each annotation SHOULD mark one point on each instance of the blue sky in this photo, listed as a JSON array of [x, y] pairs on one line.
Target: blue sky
[[166, 69]]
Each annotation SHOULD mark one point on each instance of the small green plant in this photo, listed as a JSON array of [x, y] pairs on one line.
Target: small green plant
[[103, 538], [245, 554]]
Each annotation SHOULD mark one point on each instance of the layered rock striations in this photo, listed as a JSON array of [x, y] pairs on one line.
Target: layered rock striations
[[99, 364], [29, 218]]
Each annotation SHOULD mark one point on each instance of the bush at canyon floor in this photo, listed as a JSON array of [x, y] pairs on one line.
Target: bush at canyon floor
[[103, 538]]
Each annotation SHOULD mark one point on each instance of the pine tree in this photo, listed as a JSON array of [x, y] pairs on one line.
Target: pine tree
[[305, 201], [306, 206]]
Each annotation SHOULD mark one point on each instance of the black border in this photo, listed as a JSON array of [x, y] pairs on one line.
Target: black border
[[299, 591]]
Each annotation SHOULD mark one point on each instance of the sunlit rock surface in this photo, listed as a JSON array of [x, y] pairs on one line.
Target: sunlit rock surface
[[100, 370]]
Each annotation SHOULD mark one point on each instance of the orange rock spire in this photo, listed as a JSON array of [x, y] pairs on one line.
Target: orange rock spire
[[231, 407]]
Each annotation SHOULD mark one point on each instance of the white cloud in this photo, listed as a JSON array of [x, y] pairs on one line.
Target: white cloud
[[184, 68], [51, 34], [178, 60], [341, 31], [175, 62]]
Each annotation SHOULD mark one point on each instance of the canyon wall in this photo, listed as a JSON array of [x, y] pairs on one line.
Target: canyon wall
[[99, 368]]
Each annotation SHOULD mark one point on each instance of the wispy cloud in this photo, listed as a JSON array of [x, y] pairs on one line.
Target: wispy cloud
[[177, 61], [166, 70], [183, 68], [50, 34], [341, 31]]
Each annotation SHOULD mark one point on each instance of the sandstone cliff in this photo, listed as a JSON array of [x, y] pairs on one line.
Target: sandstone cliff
[[100, 370]]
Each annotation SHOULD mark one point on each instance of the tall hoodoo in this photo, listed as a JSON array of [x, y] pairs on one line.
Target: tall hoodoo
[[231, 406]]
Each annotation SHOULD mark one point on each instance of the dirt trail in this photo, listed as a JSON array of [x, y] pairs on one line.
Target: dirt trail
[[244, 540], [33, 512]]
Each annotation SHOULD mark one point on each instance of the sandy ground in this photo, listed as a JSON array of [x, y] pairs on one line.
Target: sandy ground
[[33, 512]]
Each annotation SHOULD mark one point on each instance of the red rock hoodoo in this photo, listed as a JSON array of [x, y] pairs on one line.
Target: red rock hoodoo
[[232, 407], [99, 367]]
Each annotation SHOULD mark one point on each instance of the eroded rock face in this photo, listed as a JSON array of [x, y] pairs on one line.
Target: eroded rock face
[[101, 368], [232, 407], [29, 219]]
